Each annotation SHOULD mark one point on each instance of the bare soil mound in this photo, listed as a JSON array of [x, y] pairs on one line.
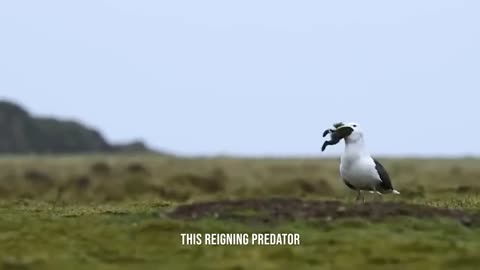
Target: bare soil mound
[[275, 210]]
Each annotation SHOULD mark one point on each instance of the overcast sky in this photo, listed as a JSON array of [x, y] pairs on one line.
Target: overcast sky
[[251, 77]]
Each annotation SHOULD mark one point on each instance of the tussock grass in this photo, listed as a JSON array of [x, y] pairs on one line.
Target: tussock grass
[[109, 212], [99, 178]]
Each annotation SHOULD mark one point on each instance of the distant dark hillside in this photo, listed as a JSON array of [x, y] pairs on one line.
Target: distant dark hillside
[[22, 133]]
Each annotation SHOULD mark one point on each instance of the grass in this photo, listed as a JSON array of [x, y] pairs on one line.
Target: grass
[[135, 236], [108, 212], [98, 178]]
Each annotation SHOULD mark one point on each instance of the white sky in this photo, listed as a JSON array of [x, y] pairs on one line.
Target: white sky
[[251, 77]]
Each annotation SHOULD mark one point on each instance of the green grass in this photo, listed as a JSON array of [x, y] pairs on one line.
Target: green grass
[[52, 218], [136, 236]]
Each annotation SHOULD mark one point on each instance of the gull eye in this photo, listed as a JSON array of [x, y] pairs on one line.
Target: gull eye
[[354, 126]]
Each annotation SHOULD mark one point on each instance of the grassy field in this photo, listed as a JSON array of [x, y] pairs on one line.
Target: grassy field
[[127, 212]]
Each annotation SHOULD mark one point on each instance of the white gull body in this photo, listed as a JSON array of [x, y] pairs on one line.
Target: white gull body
[[359, 170]]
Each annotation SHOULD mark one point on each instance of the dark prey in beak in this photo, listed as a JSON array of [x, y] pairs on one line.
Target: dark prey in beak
[[336, 135]]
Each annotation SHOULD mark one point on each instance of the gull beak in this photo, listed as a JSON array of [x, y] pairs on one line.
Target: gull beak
[[343, 131]]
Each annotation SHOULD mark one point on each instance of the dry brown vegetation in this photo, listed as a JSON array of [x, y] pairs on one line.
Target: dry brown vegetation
[[116, 178]]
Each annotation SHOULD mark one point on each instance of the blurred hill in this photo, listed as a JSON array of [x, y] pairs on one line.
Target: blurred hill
[[21, 132]]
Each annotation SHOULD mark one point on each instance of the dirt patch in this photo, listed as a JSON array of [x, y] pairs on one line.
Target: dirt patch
[[275, 210]]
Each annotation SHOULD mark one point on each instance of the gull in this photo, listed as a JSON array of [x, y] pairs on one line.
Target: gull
[[358, 169]]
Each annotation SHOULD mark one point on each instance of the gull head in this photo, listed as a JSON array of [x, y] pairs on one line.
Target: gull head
[[351, 132]]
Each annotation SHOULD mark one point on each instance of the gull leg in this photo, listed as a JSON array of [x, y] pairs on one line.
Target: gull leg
[[359, 196]]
